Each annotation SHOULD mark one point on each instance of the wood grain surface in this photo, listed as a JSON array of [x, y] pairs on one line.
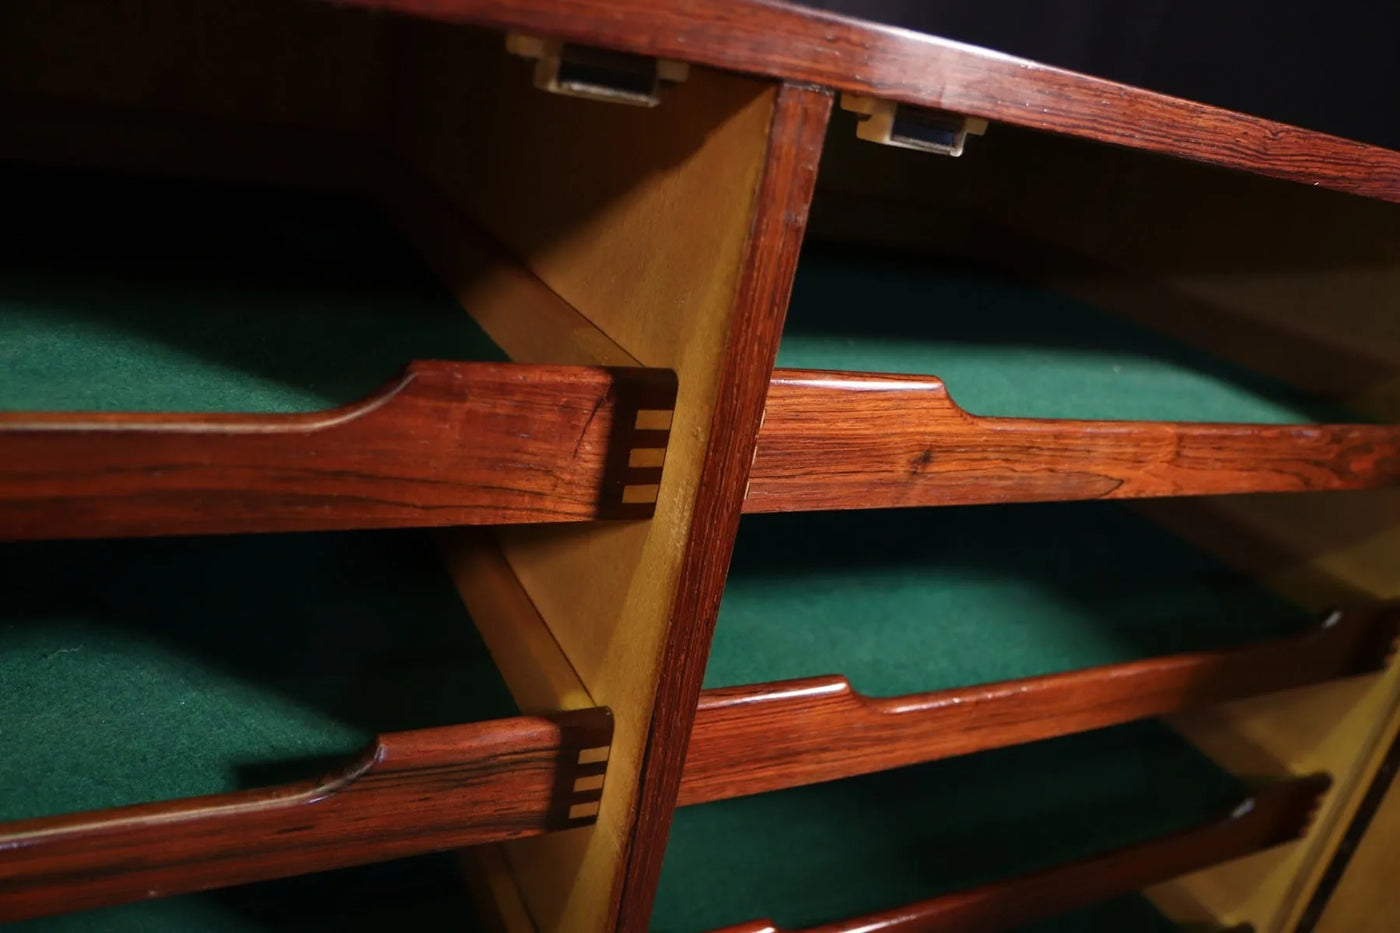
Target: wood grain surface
[[763, 737], [795, 43], [756, 323], [839, 440], [449, 443], [1275, 814], [409, 793]]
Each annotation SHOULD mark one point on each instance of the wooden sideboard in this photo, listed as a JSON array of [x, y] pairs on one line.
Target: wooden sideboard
[[548, 466]]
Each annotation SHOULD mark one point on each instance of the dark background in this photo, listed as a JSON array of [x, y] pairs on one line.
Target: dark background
[[1331, 66]]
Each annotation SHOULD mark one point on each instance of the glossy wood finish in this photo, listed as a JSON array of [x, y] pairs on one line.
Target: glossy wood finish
[[790, 42], [449, 443], [770, 262], [409, 793], [1275, 814], [764, 737], [839, 440]]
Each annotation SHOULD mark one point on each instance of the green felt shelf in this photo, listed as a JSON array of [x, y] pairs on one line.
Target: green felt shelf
[[908, 600], [146, 670], [132, 293], [425, 893], [829, 852], [1005, 346]]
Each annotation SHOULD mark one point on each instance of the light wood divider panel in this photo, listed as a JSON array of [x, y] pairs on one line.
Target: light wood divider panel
[[638, 219], [1364, 899], [1318, 550]]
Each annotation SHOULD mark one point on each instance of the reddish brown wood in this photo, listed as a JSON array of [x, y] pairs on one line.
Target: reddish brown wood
[[795, 43], [1275, 814], [448, 444], [838, 440], [764, 737], [756, 322], [409, 793]]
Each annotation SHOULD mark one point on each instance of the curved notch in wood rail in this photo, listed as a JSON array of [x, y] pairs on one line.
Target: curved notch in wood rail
[[1277, 813], [751, 739], [409, 793], [839, 440], [448, 444]]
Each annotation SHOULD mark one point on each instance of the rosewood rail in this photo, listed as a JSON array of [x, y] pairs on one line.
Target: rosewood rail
[[408, 793]]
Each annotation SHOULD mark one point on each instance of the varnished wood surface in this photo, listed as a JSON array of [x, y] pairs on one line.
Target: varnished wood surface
[[833, 440], [756, 323], [790, 42], [409, 793], [763, 737], [449, 443], [1275, 814]]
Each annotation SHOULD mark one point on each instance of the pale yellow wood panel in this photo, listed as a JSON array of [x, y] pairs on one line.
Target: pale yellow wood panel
[[638, 218], [1367, 899]]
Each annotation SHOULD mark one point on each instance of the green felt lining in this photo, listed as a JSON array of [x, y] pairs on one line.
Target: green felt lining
[[833, 851], [144, 670], [424, 893], [133, 293], [1004, 346], [907, 600]]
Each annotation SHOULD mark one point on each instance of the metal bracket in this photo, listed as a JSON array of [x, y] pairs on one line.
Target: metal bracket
[[597, 74], [908, 127]]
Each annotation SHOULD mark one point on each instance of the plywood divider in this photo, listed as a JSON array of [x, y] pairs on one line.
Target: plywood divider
[[531, 663], [637, 218], [1316, 550]]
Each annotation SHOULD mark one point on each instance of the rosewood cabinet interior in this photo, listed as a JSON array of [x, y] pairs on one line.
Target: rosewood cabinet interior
[[312, 268]]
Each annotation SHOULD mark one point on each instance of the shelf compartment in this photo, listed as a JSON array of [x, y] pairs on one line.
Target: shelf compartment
[[1085, 818], [763, 737], [1271, 816], [939, 632], [273, 320], [409, 793], [1062, 402], [139, 674], [844, 440]]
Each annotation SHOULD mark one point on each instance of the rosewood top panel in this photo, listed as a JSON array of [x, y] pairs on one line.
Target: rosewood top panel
[[793, 43]]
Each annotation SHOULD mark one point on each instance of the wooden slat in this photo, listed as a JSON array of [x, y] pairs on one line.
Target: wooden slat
[[409, 793], [764, 737], [833, 440], [792, 42], [1276, 814], [449, 443]]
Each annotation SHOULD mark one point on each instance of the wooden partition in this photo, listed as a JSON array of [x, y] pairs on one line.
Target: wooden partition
[[640, 220]]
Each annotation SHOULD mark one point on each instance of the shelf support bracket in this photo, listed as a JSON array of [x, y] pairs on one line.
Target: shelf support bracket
[[597, 74], [908, 127]]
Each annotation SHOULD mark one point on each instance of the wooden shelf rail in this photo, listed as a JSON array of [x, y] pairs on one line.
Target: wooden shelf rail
[[1277, 813], [764, 737], [408, 793], [447, 444], [840, 440]]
